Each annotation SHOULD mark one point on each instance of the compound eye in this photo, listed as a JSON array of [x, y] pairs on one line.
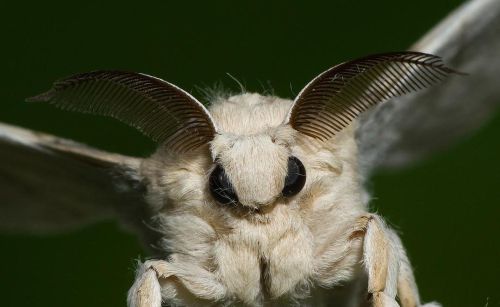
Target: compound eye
[[296, 177], [220, 186]]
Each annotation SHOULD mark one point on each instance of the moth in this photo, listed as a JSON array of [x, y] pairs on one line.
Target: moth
[[256, 200]]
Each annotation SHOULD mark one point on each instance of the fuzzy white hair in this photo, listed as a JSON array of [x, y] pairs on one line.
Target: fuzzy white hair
[[271, 249]]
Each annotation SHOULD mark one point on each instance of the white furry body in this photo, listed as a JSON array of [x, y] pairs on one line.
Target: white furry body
[[268, 249]]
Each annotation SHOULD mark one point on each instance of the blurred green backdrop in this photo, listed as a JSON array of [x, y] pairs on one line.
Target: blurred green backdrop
[[446, 208]]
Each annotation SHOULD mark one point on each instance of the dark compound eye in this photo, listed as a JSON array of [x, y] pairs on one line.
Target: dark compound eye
[[220, 186], [296, 177]]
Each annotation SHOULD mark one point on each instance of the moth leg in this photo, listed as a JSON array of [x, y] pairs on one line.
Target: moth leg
[[146, 290], [380, 262], [388, 268], [175, 282]]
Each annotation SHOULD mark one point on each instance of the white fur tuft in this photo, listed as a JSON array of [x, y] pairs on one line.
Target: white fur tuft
[[268, 249]]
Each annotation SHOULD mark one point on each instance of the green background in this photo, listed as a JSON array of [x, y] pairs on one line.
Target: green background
[[446, 207]]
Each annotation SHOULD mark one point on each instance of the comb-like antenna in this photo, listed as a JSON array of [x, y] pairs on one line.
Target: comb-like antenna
[[332, 100], [159, 109]]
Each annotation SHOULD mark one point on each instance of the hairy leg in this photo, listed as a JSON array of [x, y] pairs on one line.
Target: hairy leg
[[175, 283], [388, 268], [381, 263], [146, 290]]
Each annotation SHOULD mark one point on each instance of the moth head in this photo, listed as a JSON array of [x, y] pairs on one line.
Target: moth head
[[255, 170], [253, 163]]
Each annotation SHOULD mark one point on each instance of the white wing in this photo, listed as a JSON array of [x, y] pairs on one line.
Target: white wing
[[49, 184], [409, 128]]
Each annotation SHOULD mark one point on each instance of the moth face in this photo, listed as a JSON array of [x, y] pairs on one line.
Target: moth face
[[255, 170]]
